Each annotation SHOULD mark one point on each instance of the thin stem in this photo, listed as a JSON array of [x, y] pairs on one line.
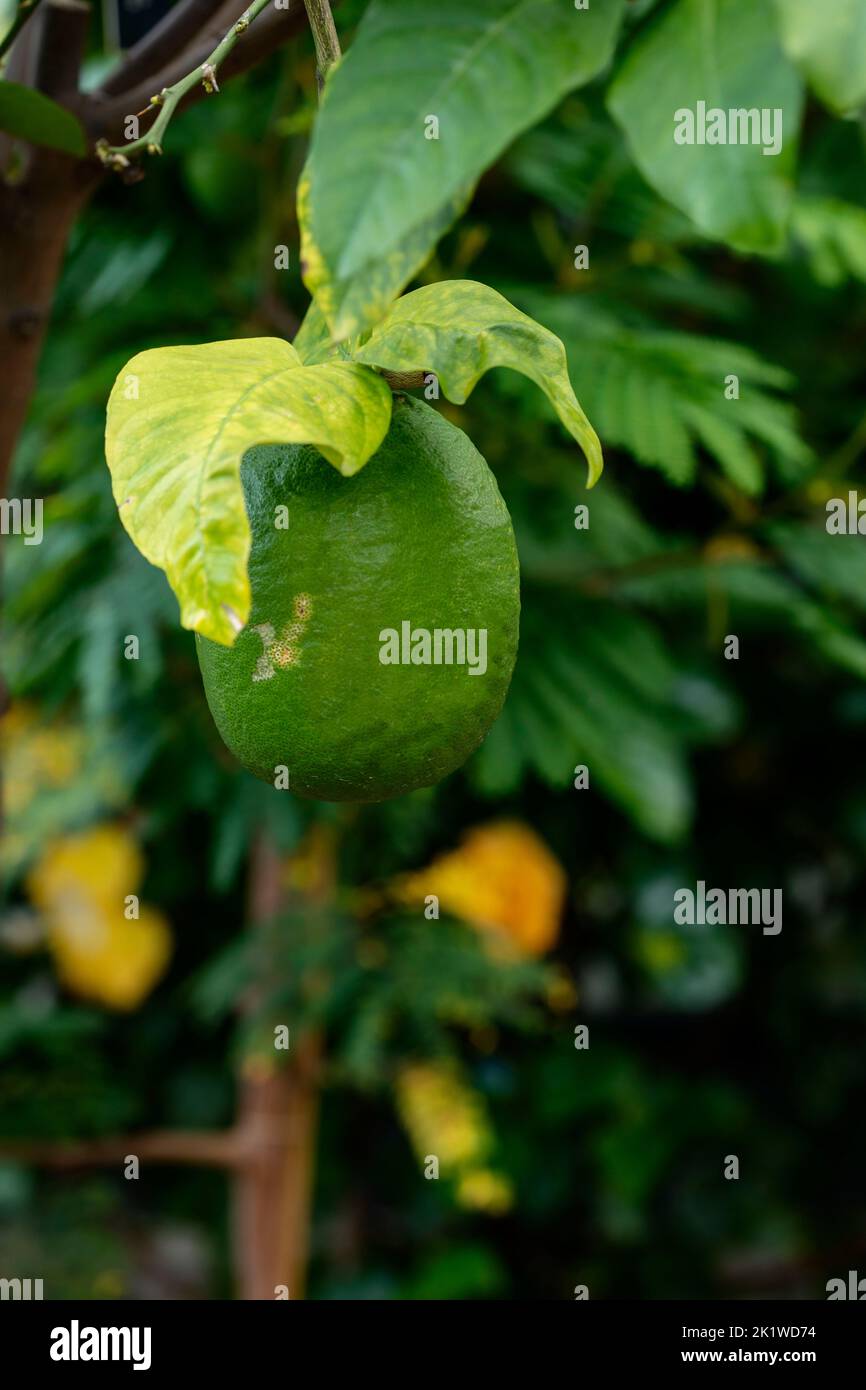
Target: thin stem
[[405, 381], [25, 9], [167, 100], [219, 1149], [170, 36], [324, 37]]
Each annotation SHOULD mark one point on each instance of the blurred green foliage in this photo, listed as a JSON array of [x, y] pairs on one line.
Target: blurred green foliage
[[709, 521]]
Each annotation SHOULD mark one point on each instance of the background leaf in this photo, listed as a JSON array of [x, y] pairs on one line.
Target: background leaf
[[377, 194], [580, 703], [175, 452], [827, 41], [726, 54], [833, 234], [30, 115], [660, 394]]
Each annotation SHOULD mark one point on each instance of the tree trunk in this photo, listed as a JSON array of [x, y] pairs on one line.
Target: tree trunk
[[273, 1187], [36, 218], [278, 1115]]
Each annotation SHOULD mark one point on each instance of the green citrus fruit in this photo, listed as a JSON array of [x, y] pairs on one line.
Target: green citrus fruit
[[384, 620]]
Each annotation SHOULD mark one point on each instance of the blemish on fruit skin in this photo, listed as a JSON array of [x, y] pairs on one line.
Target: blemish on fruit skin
[[264, 670], [284, 654], [282, 651]]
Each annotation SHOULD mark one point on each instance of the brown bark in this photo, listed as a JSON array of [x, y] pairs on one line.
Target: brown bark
[[273, 1188], [35, 221], [278, 1117], [201, 1148], [37, 213]]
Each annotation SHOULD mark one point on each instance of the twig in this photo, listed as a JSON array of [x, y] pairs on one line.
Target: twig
[[324, 37], [103, 112], [117, 156], [213, 1149], [25, 9], [166, 39]]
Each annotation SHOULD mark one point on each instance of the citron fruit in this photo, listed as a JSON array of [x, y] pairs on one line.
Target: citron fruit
[[385, 614]]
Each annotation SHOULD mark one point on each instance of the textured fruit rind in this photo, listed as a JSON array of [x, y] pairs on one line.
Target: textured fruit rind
[[420, 535]]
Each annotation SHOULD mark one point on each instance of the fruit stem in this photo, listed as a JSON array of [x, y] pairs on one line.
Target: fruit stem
[[403, 381]]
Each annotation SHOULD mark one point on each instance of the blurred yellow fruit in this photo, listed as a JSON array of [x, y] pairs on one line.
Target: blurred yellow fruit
[[81, 884], [442, 1115], [113, 962], [483, 1190], [446, 1119], [502, 878], [103, 864]]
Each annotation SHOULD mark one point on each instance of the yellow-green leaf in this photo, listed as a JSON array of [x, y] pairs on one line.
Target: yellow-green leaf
[[354, 302], [313, 342], [458, 330], [180, 420]]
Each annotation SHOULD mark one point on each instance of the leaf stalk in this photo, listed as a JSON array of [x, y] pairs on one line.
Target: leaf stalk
[[324, 36]]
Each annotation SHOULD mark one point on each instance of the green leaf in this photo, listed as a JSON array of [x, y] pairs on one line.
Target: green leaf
[[378, 192], [175, 450], [607, 699], [462, 1271], [827, 41], [458, 330], [756, 598], [833, 565], [351, 305], [833, 234], [31, 116], [726, 55]]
